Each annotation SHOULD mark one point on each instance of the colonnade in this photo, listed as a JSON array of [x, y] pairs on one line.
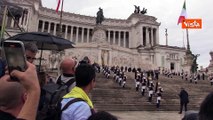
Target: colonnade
[[79, 34], [120, 38], [149, 36]]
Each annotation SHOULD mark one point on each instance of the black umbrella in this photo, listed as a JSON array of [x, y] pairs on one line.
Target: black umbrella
[[44, 41]]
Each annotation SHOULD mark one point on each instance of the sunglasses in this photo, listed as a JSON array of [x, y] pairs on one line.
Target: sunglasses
[[30, 58]]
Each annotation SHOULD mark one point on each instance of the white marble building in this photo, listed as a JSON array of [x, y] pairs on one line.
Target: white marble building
[[125, 42]]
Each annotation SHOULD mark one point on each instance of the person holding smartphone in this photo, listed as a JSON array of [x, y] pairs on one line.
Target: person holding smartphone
[[19, 100], [20, 90]]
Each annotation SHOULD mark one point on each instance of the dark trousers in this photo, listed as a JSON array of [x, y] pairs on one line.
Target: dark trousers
[[142, 93], [181, 106], [150, 98], [137, 88], [120, 83], [158, 104]]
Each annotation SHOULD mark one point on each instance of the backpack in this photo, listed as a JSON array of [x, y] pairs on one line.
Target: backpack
[[68, 83], [54, 113], [51, 104]]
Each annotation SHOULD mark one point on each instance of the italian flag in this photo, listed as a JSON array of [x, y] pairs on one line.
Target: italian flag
[[183, 14], [58, 5]]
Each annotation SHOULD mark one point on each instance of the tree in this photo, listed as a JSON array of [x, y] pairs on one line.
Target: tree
[[194, 66]]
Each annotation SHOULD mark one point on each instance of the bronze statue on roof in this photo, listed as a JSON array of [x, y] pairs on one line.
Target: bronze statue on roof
[[100, 16], [138, 11]]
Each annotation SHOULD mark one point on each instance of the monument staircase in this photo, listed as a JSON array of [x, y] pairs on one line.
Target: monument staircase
[[109, 96]]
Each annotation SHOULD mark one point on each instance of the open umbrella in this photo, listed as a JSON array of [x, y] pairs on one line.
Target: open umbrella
[[44, 41]]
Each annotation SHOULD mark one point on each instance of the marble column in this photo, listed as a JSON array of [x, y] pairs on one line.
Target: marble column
[[157, 36], [12, 23], [26, 19], [124, 38], [42, 29], [66, 27], [71, 33], [49, 25], [82, 35], [77, 32], [19, 22], [119, 38], [54, 31], [87, 35], [114, 37]]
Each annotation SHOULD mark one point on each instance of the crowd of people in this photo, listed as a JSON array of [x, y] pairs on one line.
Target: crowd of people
[[146, 82], [191, 77], [23, 99]]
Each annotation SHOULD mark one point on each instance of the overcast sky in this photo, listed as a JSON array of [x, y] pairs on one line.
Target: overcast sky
[[167, 13]]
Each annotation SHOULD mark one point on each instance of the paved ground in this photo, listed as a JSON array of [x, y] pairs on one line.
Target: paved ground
[[147, 115]]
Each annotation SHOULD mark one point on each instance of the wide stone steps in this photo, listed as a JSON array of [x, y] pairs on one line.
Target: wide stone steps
[[109, 96], [139, 107]]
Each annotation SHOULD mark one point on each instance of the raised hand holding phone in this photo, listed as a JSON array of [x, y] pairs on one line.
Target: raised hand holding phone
[[15, 56]]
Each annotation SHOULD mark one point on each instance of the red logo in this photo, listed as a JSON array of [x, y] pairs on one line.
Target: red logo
[[192, 24]]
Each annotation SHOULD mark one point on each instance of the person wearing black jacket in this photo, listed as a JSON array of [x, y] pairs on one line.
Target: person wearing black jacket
[[184, 100]]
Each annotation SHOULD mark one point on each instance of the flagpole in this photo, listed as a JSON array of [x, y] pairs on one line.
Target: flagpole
[[183, 39], [187, 38], [60, 22], [60, 28]]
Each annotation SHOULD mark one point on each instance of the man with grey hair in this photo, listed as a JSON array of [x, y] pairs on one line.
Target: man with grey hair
[[30, 50]]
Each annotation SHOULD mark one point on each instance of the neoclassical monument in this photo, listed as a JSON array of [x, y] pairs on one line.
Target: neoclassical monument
[[129, 42]]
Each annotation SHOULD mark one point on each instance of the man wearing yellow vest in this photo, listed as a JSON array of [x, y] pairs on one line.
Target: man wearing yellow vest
[[85, 82]]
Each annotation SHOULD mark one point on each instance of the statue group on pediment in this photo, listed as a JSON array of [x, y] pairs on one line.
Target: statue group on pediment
[[138, 11]]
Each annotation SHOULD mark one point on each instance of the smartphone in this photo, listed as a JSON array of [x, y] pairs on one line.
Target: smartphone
[[15, 55]]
